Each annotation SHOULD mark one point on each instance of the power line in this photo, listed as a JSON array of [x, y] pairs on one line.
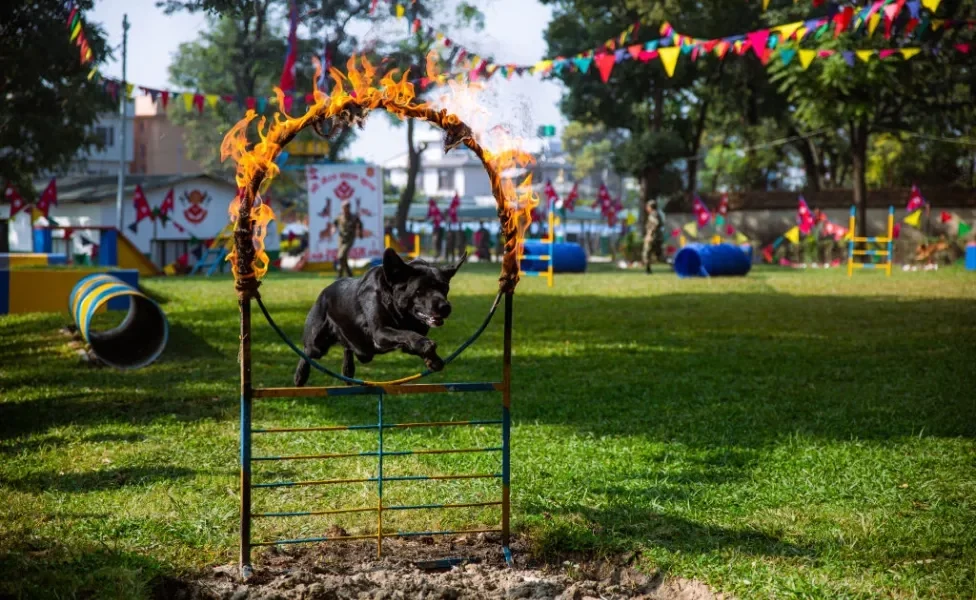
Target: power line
[[934, 138]]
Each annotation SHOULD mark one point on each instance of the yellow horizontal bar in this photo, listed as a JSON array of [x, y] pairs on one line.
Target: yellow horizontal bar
[[872, 252], [872, 239], [344, 538], [391, 390], [337, 511]]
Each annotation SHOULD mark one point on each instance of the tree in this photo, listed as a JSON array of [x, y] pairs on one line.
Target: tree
[[49, 104], [931, 92], [590, 148], [412, 53]]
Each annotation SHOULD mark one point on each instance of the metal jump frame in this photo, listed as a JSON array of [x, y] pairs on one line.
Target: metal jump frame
[[853, 240], [250, 393], [551, 241]]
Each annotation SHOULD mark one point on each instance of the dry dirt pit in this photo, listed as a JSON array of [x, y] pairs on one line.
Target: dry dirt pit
[[351, 570]]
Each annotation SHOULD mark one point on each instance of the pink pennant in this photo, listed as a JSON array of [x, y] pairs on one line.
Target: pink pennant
[[647, 55], [758, 40], [886, 53], [964, 48]]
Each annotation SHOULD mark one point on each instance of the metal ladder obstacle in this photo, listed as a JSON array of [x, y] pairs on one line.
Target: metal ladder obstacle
[[550, 239], [853, 240], [379, 391], [216, 252]]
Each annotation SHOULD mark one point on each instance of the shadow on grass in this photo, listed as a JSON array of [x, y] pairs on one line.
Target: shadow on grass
[[105, 479]]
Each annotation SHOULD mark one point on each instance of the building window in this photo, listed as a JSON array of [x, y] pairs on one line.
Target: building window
[[445, 179], [106, 136]]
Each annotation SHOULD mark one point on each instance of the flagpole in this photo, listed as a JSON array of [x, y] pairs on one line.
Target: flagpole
[[122, 110]]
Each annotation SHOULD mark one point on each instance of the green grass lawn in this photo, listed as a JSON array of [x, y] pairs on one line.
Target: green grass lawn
[[792, 434]]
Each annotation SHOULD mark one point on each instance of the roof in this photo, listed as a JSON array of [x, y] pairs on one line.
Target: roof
[[95, 188]]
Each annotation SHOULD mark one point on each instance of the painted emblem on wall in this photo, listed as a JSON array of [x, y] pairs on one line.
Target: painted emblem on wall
[[195, 201]]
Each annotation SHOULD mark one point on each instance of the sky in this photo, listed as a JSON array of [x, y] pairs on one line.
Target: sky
[[520, 103]]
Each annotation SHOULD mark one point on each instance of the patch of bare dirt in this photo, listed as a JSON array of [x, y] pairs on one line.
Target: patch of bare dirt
[[409, 569]]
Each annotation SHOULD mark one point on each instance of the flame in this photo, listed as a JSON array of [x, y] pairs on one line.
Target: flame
[[353, 96]]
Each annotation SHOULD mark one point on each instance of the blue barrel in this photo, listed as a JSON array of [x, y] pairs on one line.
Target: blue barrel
[[700, 260], [566, 257], [971, 256], [137, 341]]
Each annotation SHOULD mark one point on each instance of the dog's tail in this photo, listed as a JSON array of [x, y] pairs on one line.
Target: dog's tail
[[302, 372]]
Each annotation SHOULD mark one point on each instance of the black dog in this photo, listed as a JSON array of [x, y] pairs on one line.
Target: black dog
[[391, 307]]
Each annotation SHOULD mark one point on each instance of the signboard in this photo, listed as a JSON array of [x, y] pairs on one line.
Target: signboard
[[329, 186]]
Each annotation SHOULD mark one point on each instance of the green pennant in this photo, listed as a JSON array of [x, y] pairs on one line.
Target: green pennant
[[964, 228], [194, 240], [719, 220]]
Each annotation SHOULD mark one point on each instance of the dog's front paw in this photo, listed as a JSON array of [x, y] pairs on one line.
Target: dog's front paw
[[434, 363]]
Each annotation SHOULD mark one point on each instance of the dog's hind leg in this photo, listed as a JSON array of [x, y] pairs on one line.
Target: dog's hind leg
[[349, 363], [316, 346]]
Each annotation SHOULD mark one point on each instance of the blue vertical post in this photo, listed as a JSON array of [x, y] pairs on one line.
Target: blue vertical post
[[379, 477], [246, 397], [507, 430], [43, 241], [108, 248]]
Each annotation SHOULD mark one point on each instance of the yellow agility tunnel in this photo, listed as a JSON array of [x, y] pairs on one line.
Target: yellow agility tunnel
[[137, 341]]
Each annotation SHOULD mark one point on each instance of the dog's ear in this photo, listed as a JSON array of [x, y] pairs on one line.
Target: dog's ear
[[393, 266], [451, 271]]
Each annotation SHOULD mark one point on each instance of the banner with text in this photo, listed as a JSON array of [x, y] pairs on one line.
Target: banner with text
[[329, 186]]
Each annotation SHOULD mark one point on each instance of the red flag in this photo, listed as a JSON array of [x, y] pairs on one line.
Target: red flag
[[434, 213], [48, 198], [603, 200], [452, 210], [168, 203], [723, 205], [16, 201], [804, 217], [915, 201], [287, 82], [701, 212], [143, 210], [570, 202], [945, 217], [551, 196]]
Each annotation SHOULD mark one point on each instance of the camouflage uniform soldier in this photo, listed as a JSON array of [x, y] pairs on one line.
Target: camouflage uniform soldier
[[653, 236], [350, 227]]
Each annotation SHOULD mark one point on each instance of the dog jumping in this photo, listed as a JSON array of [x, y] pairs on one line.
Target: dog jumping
[[391, 307]]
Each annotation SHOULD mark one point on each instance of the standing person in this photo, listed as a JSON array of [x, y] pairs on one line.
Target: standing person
[[451, 244], [483, 242], [350, 227], [438, 241], [653, 235]]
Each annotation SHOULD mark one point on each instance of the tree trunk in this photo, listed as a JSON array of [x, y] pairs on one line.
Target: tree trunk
[[859, 157], [4, 235], [807, 152], [644, 180], [695, 147], [406, 198]]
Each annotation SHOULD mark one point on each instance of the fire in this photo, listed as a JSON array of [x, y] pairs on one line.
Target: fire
[[354, 95]]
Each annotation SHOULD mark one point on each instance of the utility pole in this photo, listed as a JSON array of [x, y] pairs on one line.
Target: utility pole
[[123, 101]]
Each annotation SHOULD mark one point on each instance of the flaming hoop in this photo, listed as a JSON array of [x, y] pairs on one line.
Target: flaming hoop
[[340, 110]]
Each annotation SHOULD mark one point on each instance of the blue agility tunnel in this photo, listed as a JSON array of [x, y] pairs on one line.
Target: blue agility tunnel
[[566, 257], [700, 260], [134, 343]]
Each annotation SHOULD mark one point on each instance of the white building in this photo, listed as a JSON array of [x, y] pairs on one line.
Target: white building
[[108, 128], [200, 212]]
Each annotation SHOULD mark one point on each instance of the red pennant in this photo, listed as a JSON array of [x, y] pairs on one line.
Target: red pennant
[[945, 217], [48, 198], [604, 63], [964, 48], [143, 210], [635, 51], [16, 201], [168, 203], [165, 97], [570, 202], [886, 53], [647, 55], [198, 102], [251, 103]]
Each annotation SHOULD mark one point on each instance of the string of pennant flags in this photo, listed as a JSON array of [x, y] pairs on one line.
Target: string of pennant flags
[[904, 16]]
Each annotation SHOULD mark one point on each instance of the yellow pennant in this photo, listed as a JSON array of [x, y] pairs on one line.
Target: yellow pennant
[[128, 90], [873, 21], [188, 102], [669, 58], [932, 5], [865, 55], [212, 100], [76, 30], [793, 235], [400, 11], [765, 4], [691, 229], [169, 270], [937, 24], [806, 57], [92, 73], [542, 66], [910, 52], [740, 238], [914, 219], [801, 33], [787, 31]]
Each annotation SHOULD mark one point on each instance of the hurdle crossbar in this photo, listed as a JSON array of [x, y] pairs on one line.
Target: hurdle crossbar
[[853, 240], [247, 432]]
